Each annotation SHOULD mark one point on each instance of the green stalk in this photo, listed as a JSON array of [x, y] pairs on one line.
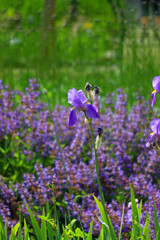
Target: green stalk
[[107, 220], [96, 165]]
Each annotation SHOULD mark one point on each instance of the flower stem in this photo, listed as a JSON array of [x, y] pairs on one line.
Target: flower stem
[[96, 165]]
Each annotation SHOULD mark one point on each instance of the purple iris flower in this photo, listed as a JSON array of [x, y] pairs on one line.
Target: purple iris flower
[[155, 126], [79, 102], [156, 86]]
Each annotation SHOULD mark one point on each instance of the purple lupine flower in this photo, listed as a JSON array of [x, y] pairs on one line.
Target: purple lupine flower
[[156, 86], [79, 102], [155, 126]]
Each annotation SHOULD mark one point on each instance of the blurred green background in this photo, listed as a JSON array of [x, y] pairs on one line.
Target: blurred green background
[[65, 43]]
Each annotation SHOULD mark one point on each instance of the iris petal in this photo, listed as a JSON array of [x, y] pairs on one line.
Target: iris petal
[[153, 98], [150, 139], [91, 112], [71, 93], [82, 97], [76, 98], [157, 88], [155, 81], [155, 126], [72, 117]]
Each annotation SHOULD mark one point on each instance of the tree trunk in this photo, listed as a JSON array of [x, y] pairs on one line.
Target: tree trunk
[[48, 36]]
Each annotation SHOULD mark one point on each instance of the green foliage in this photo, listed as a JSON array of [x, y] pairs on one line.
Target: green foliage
[[120, 229], [138, 232], [13, 165], [135, 217], [38, 230], [3, 230], [156, 223], [146, 230], [49, 229], [14, 232], [108, 227]]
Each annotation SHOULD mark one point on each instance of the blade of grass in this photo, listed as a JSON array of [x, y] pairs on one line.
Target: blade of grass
[[101, 235], [106, 219], [20, 233], [106, 232], [49, 226], [156, 222], [135, 216], [26, 232], [134, 206], [5, 229], [84, 235], [35, 224], [14, 231], [2, 230], [58, 233], [146, 228], [158, 235], [140, 209], [89, 237], [120, 230], [43, 227]]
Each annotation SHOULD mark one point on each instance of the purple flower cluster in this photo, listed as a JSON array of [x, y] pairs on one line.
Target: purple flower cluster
[[122, 158]]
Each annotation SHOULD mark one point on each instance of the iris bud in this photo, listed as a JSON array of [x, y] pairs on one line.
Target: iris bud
[[98, 138], [88, 87], [96, 90], [100, 131], [90, 93]]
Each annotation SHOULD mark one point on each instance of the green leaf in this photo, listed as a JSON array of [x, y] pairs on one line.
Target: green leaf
[[106, 232], [58, 233], [6, 166], [35, 224], [43, 227], [101, 235], [156, 222], [89, 237], [78, 233], [134, 207], [26, 232], [66, 237], [20, 233], [120, 230], [136, 233], [106, 219], [139, 210], [14, 231], [5, 229], [146, 229], [49, 226], [2, 230], [2, 150], [158, 235]]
